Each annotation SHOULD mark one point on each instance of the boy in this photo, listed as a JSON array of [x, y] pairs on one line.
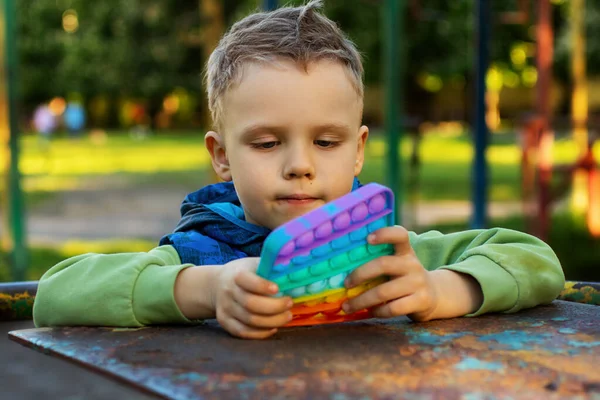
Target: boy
[[285, 89]]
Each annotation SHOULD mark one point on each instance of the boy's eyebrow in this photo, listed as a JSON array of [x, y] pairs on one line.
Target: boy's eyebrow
[[338, 128], [260, 128]]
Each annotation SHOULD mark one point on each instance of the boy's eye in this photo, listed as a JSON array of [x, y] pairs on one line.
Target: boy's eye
[[325, 143], [264, 145]]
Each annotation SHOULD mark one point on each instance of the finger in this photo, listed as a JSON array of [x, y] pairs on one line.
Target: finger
[[403, 306], [239, 329], [263, 305], [259, 321], [380, 294], [384, 265], [250, 282], [395, 235]]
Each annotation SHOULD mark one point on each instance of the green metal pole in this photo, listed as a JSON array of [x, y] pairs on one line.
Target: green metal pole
[[13, 189], [393, 21]]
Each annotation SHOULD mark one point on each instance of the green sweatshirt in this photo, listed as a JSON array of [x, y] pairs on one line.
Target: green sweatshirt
[[515, 271]]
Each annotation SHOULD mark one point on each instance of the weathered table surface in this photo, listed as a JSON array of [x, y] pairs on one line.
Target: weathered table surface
[[550, 351]]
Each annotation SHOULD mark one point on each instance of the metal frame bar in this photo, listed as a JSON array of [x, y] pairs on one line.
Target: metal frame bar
[[480, 136], [393, 27], [14, 211]]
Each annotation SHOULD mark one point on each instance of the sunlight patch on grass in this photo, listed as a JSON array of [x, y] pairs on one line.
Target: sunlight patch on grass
[[118, 154], [375, 148], [452, 150], [501, 192], [445, 151], [75, 247], [504, 155]]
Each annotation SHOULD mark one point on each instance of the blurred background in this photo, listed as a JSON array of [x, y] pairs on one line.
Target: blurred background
[[490, 109]]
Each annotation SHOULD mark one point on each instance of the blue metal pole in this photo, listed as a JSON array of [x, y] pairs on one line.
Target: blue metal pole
[[480, 136], [270, 5]]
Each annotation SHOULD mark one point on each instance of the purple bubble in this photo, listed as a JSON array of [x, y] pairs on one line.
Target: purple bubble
[[342, 221], [360, 212], [324, 230], [287, 249], [377, 204], [305, 239]]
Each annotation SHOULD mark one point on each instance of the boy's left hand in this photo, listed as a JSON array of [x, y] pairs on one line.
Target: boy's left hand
[[411, 289]]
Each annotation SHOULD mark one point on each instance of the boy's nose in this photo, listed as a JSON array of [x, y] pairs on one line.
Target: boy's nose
[[299, 165]]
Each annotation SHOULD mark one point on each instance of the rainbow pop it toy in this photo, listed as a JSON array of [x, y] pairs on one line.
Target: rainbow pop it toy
[[311, 256]]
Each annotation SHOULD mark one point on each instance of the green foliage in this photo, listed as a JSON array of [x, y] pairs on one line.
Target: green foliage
[[120, 48], [146, 48]]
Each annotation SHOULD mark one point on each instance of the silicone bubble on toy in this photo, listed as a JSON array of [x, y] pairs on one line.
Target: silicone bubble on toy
[[311, 256]]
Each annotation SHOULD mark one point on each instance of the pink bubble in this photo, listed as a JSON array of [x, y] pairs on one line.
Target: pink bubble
[[377, 204], [360, 212], [305, 239], [341, 221], [287, 249], [324, 230]]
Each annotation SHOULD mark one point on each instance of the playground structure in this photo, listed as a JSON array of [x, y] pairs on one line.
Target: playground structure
[[13, 239], [537, 137]]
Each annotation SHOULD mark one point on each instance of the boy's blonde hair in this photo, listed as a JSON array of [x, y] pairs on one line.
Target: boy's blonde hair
[[300, 34]]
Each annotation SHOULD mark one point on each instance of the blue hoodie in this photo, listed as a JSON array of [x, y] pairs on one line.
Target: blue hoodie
[[213, 230]]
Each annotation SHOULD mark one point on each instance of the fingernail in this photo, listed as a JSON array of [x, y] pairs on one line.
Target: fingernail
[[290, 316], [347, 282], [346, 307], [371, 238], [273, 288], [290, 303]]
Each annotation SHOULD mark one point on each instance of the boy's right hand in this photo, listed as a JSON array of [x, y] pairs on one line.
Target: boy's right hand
[[243, 303]]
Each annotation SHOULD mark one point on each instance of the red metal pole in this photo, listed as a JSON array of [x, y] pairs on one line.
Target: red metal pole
[[544, 82]]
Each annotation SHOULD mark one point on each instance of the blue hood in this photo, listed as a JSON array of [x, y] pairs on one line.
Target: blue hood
[[212, 229]]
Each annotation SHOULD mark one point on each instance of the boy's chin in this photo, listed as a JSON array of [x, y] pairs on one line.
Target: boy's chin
[[277, 217], [290, 216]]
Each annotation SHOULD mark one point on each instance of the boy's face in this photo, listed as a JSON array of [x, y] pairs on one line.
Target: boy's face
[[291, 140]]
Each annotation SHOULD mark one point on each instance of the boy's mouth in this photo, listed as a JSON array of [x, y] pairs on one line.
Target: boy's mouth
[[297, 199]]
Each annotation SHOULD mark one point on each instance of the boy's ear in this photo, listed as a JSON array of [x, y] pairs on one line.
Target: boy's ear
[[216, 147], [363, 134]]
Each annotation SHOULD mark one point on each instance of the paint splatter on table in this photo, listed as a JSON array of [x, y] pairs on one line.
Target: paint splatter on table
[[547, 352]]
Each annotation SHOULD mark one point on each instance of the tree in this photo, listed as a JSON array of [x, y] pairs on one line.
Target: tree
[[112, 48]]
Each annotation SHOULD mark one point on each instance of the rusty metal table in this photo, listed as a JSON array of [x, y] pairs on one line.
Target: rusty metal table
[[550, 351]]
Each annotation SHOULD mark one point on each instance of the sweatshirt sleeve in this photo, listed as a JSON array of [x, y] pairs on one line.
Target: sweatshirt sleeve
[[126, 289], [515, 270]]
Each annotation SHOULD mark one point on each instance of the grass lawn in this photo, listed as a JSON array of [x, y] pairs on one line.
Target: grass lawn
[[179, 158]]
